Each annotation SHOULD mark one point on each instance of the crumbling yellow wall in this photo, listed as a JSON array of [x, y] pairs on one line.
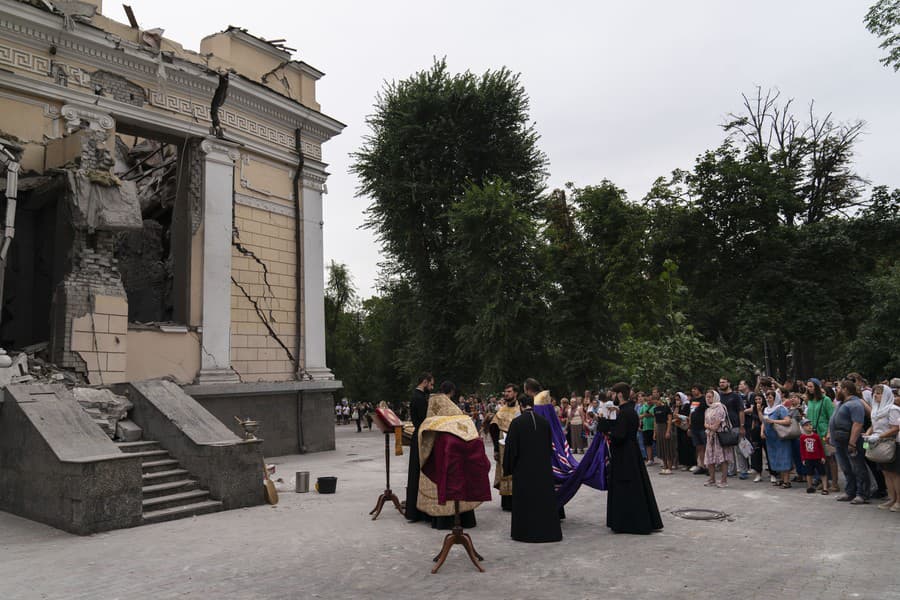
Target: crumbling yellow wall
[[153, 354], [31, 127], [101, 339], [255, 354]]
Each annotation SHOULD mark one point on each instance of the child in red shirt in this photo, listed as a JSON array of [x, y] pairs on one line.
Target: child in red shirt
[[813, 454]]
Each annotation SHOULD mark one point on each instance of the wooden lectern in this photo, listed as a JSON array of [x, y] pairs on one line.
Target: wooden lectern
[[387, 422], [457, 536]]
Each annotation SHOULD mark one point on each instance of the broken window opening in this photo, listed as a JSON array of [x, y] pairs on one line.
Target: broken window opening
[[153, 273]]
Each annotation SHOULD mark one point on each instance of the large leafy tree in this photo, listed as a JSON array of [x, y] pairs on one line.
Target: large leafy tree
[[495, 261], [433, 136], [883, 20], [757, 227]]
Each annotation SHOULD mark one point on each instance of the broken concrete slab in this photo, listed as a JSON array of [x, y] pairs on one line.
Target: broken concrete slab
[[98, 206], [128, 431], [105, 407]]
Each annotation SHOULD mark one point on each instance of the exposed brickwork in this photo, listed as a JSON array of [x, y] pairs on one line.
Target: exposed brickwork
[[255, 354], [119, 88]]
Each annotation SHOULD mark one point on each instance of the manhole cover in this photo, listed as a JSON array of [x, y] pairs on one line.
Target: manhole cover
[[700, 514]]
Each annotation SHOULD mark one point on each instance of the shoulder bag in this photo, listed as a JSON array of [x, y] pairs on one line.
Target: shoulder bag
[[728, 437], [881, 451], [788, 432]]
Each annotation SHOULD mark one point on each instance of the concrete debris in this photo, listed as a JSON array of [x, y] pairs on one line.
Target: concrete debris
[[128, 431], [16, 372], [106, 408]]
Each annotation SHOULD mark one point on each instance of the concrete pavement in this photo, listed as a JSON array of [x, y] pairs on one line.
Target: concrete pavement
[[776, 544]]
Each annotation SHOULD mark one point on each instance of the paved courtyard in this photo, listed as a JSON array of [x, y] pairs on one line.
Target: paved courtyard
[[776, 544]]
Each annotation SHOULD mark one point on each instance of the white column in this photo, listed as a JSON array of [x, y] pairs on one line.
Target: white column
[[314, 280], [218, 195]]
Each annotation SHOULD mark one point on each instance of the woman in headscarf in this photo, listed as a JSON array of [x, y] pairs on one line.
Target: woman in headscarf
[[778, 451], [886, 425], [687, 455], [714, 421]]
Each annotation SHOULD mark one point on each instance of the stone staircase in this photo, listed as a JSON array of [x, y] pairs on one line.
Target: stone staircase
[[169, 492]]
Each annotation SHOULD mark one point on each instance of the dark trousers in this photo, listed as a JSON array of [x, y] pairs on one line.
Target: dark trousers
[[853, 467], [756, 457]]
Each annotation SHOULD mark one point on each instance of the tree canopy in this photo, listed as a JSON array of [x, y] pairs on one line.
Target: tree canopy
[[770, 253]]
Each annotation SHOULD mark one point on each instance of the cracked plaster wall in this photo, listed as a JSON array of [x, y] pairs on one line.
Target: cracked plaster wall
[[256, 355]]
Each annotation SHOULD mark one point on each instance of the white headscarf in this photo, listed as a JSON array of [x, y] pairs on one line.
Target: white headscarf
[[684, 398], [768, 410], [883, 406]]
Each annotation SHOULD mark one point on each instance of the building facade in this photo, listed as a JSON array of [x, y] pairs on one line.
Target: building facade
[[169, 214]]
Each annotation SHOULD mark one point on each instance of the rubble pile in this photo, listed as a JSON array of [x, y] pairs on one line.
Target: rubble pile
[[30, 365], [105, 408], [144, 256]]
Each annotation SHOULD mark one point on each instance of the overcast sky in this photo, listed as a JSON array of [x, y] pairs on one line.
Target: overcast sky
[[626, 91]]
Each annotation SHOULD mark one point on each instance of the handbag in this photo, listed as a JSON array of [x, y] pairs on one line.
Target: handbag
[[787, 432], [728, 437], [745, 447], [882, 451]]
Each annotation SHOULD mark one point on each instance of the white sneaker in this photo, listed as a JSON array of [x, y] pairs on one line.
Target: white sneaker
[[757, 479], [693, 469], [772, 479]]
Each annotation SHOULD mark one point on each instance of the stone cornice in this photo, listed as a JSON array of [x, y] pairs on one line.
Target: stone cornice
[[89, 45], [266, 205]]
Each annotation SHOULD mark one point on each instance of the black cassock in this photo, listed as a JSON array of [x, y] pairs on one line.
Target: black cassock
[[527, 457], [418, 408], [630, 504]]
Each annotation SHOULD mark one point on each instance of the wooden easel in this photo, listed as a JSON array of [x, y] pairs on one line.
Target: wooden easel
[[457, 536], [387, 422]]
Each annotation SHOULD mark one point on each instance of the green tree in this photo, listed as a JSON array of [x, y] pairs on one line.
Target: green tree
[[431, 137], [883, 21], [495, 261], [342, 328]]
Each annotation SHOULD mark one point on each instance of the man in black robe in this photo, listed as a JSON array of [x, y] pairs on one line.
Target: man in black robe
[[630, 504], [527, 457], [418, 407]]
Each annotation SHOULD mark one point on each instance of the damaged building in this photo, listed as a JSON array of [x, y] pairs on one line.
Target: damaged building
[[162, 243]]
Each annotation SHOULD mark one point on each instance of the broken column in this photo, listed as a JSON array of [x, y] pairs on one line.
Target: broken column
[[89, 320]]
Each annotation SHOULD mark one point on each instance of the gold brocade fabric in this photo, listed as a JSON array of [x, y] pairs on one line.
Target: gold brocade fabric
[[443, 416], [542, 398], [504, 416]]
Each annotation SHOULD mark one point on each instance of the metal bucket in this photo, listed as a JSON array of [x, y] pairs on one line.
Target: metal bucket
[[301, 485]]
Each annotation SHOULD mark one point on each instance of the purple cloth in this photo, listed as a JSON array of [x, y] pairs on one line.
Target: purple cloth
[[568, 473]]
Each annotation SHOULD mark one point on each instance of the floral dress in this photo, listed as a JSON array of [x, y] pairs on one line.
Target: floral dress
[[715, 420]]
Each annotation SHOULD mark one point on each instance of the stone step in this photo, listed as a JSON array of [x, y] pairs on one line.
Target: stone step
[[139, 446], [159, 465], [151, 454], [161, 489], [171, 500], [179, 512], [157, 477]]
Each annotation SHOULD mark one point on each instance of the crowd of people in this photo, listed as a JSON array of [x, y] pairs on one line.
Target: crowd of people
[[810, 434], [359, 413], [807, 433]]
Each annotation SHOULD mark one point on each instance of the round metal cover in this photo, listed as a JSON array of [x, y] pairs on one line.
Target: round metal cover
[[700, 514]]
